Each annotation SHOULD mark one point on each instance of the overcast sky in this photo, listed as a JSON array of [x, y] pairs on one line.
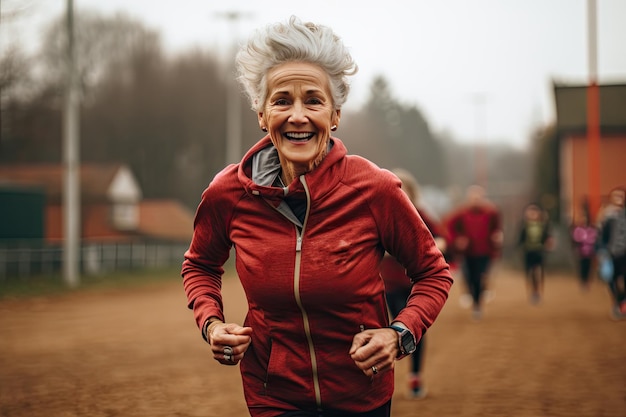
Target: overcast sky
[[479, 69]]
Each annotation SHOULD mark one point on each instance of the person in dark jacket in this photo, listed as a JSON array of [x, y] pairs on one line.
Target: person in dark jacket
[[613, 242], [534, 239], [309, 225]]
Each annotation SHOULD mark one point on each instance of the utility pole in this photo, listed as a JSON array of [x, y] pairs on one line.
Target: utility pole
[[480, 145], [71, 190], [233, 102], [593, 113]]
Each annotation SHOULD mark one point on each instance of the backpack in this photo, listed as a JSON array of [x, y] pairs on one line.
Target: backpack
[[605, 266]]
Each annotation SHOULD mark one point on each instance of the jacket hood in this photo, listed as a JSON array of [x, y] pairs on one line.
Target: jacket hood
[[260, 166]]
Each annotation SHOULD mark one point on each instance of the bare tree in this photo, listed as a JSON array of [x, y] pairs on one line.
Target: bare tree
[[14, 72], [103, 44], [393, 134]]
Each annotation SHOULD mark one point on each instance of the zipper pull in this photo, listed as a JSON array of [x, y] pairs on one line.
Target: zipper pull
[[299, 244]]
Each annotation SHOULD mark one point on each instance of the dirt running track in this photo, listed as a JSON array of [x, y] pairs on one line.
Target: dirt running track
[[137, 353]]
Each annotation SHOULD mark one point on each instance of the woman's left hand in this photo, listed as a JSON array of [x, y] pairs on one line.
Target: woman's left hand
[[375, 350]]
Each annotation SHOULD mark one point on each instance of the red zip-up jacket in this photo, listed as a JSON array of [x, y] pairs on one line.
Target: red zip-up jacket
[[311, 288], [392, 272], [478, 224]]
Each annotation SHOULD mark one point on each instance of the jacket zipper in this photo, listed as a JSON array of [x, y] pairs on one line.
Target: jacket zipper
[[296, 287]]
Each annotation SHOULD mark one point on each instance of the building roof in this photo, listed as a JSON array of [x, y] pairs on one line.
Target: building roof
[[95, 179], [571, 107], [165, 219], [100, 185]]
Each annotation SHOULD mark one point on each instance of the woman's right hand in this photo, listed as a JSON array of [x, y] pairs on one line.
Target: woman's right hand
[[229, 342]]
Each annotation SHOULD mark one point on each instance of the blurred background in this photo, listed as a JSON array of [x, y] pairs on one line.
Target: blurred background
[[456, 92]]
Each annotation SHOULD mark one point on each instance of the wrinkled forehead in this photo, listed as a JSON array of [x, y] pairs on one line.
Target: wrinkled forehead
[[301, 73]]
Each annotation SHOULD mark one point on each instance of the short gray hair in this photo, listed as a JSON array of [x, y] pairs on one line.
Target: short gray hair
[[294, 41]]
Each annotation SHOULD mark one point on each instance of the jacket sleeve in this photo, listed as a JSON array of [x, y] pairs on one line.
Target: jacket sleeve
[[405, 235], [435, 228], [202, 267]]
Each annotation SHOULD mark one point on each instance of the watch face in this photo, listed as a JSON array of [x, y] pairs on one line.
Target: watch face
[[408, 343]]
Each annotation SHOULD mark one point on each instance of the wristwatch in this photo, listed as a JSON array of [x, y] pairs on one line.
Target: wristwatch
[[406, 341]]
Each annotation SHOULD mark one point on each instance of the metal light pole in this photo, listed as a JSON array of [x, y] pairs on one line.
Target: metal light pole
[[71, 190], [593, 113], [233, 102], [480, 151]]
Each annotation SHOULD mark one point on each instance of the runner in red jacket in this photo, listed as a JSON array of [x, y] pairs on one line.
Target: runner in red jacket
[[312, 286], [475, 231], [309, 225]]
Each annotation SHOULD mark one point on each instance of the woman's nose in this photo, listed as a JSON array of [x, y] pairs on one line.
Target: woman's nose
[[298, 113]]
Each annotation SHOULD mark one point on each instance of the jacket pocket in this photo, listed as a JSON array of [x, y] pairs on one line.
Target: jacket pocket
[[267, 367]]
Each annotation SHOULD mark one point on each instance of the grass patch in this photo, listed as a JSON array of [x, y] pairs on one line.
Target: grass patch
[[45, 285]]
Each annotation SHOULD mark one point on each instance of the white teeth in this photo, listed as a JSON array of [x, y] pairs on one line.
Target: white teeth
[[299, 135]]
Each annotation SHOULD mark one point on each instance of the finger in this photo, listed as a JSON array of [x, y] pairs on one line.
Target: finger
[[242, 331], [373, 369], [378, 369], [368, 365], [226, 349], [373, 349], [230, 334], [229, 348], [374, 353], [227, 356], [359, 340], [228, 361]]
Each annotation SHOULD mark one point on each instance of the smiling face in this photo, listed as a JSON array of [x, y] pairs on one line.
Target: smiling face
[[298, 115]]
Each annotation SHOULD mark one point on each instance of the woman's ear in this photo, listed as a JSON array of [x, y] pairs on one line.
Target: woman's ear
[[262, 124], [335, 119]]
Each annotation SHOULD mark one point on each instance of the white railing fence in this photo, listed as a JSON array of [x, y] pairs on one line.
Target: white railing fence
[[30, 258]]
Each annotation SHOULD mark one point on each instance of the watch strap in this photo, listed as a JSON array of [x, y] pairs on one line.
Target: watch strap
[[402, 331], [397, 328]]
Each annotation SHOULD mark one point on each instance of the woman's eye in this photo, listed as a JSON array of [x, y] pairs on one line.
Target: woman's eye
[[281, 102], [314, 100]]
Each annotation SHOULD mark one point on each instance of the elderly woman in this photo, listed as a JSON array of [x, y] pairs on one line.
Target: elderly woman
[[310, 225]]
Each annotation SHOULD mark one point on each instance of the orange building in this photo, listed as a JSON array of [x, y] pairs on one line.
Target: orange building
[[112, 206], [571, 115], [120, 230]]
